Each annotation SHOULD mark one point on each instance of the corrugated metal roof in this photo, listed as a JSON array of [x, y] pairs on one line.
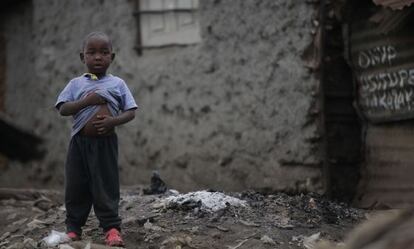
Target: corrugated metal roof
[[387, 178], [394, 4], [389, 20]]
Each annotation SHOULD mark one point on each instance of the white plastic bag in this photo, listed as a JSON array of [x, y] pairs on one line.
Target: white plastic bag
[[55, 238]]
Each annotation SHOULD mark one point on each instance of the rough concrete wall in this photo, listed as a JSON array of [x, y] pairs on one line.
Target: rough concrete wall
[[230, 113]]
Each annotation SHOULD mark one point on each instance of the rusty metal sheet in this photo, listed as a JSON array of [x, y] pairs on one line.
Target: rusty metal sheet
[[394, 4], [383, 66], [387, 176]]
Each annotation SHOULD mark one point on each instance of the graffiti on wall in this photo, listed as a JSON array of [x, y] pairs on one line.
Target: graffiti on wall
[[385, 78]]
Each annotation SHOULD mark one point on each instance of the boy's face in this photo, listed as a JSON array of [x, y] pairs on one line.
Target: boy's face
[[97, 55]]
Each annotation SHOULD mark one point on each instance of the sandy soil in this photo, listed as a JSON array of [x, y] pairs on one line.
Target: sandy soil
[[267, 221]]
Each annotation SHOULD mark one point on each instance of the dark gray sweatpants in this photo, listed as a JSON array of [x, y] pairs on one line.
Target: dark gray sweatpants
[[91, 179]]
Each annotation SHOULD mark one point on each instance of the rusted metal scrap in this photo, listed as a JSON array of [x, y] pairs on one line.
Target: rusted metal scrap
[[380, 59], [390, 21], [18, 144], [394, 4]]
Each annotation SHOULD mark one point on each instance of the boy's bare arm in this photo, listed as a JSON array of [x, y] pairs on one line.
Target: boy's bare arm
[[72, 107], [106, 123]]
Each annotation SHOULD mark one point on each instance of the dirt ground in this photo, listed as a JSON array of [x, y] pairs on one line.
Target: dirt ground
[[275, 220]]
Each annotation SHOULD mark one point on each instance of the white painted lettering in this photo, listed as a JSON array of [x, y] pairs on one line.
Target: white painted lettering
[[403, 77], [382, 102], [380, 55], [363, 60], [411, 77], [392, 54]]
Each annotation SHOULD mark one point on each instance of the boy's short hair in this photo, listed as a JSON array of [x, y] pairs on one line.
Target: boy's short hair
[[96, 34]]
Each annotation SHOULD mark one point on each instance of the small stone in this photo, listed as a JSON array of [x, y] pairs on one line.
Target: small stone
[[194, 229], [36, 224], [20, 222], [29, 243], [267, 240], [11, 216], [18, 245], [4, 236], [216, 235], [65, 246]]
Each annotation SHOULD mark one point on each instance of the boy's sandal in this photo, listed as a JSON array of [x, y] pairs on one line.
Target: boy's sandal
[[73, 236], [113, 238]]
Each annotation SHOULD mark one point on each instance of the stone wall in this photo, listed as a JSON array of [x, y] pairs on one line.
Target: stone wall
[[231, 113]]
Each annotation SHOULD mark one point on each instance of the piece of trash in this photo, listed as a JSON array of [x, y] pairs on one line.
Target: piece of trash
[[150, 237], [238, 245], [11, 216], [20, 222], [140, 221], [43, 203], [267, 240], [179, 242], [149, 226], [29, 243], [157, 186], [55, 238], [283, 222], [173, 192], [220, 228], [36, 224], [16, 245], [206, 201], [310, 242], [88, 246], [5, 235], [4, 243], [65, 246], [312, 203]]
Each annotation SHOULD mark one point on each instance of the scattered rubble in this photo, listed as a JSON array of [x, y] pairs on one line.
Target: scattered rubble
[[199, 220], [204, 200]]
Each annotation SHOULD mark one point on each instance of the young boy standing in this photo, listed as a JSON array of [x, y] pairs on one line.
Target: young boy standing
[[98, 103]]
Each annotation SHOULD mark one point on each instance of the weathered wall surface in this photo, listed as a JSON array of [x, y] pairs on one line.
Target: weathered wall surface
[[232, 112]]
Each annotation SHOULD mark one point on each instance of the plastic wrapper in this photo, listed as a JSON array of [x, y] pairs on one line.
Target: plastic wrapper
[[55, 238]]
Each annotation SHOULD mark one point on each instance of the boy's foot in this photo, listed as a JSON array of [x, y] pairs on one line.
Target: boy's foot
[[113, 238], [73, 236]]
